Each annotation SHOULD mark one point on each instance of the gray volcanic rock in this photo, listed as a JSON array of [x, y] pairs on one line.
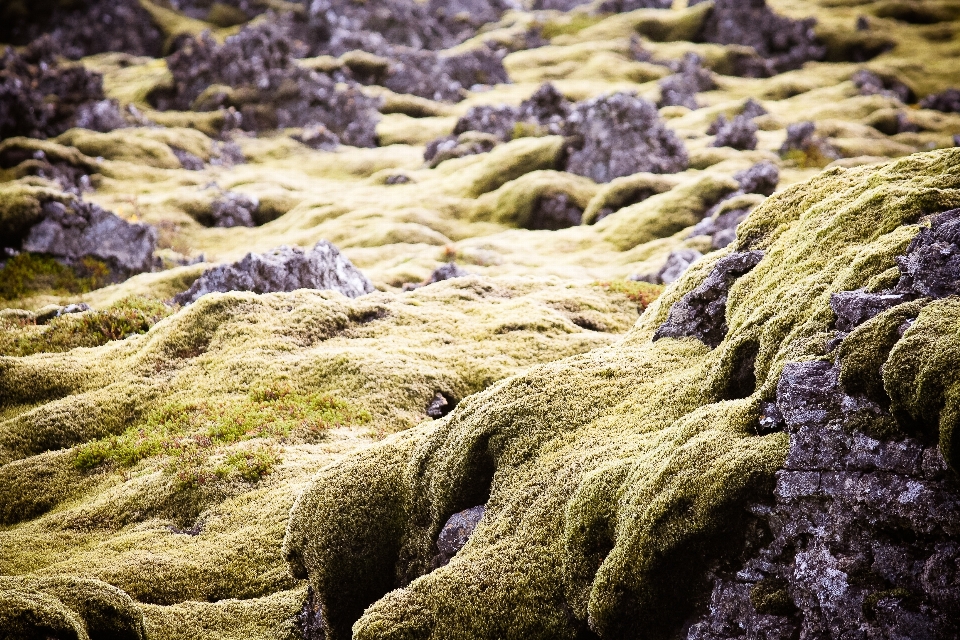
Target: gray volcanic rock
[[782, 43], [739, 133], [701, 314], [234, 209], [870, 83], [553, 211], [859, 535], [682, 87], [620, 135], [931, 266], [947, 101], [677, 263], [86, 230], [610, 6], [283, 269], [266, 87], [81, 29], [441, 273], [40, 98], [456, 532]]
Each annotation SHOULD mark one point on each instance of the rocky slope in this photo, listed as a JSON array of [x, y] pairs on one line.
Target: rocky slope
[[343, 319]]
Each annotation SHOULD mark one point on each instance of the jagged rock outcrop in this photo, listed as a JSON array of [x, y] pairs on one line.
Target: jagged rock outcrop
[[71, 233], [40, 98], [283, 269], [254, 73]]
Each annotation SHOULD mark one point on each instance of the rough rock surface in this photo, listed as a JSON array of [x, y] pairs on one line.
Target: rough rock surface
[[234, 209], [40, 98], [554, 211], [85, 230], [283, 269], [609, 6], [81, 29], [947, 101], [701, 314], [254, 72], [675, 266], [682, 87], [441, 273], [739, 133], [782, 43], [456, 532], [870, 83], [619, 135]]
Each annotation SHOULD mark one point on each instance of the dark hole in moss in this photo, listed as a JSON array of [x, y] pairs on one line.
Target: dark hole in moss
[[440, 405], [552, 212], [624, 200], [771, 597], [310, 619], [477, 479], [364, 316], [742, 381], [588, 324], [911, 13]]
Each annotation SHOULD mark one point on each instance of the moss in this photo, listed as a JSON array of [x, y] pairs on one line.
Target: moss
[[907, 599], [664, 214], [67, 608], [918, 377], [614, 480], [28, 273], [770, 597], [127, 317], [193, 437], [643, 293]]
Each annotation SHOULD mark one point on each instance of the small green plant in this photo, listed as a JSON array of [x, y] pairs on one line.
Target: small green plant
[[30, 273], [643, 293], [194, 438], [125, 318]]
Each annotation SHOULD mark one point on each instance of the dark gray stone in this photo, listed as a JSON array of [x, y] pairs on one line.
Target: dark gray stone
[[441, 273], [782, 43], [739, 133], [232, 209], [456, 532], [681, 89], [947, 101], [701, 313], [620, 135], [282, 269], [870, 83], [853, 308], [931, 266], [676, 265], [83, 230], [553, 211]]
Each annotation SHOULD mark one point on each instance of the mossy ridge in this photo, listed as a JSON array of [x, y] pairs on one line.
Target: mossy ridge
[[628, 448], [124, 318], [193, 437], [165, 542]]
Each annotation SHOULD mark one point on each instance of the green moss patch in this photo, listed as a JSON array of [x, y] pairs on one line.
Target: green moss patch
[[29, 273], [193, 436], [127, 317]]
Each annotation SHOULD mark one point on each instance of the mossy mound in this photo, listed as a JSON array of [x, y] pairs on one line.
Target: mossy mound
[[165, 464], [616, 480]]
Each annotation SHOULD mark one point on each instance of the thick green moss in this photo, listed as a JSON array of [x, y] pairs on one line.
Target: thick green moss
[[614, 480], [127, 317]]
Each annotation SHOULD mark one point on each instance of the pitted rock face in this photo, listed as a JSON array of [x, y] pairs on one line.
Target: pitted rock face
[[853, 308], [41, 98], [931, 266], [620, 135], [782, 43], [456, 532], [283, 269], [739, 133], [701, 314], [86, 230], [681, 89], [862, 529]]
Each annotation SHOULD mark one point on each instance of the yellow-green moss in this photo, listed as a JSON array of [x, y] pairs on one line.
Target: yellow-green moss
[[613, 479]]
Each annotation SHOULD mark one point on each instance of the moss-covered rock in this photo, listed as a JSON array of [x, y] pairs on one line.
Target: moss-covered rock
[[613, 481]]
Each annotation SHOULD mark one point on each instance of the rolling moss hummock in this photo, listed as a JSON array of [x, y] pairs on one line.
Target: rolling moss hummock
[[166, 463], [615, 481]]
